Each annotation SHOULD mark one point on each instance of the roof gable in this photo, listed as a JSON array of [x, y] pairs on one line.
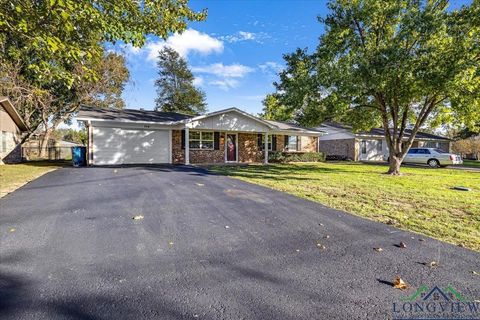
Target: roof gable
[[231, 119]]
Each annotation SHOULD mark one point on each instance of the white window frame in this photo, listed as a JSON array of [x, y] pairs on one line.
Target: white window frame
[[296, 143], [270, 142], [201, 140]]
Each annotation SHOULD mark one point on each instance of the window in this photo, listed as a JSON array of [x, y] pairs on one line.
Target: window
[[423, 151], [292, 143], [412, 151], [379, 145], [364, 146], [4, 142], [201, 140], [269, 142], [439, 151]]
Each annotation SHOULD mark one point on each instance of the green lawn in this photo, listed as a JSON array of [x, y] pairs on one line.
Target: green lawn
[[13, 176], [421, 200], [471, 163]]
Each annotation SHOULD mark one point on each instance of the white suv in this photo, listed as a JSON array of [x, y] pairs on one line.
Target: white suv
[[433, 157]]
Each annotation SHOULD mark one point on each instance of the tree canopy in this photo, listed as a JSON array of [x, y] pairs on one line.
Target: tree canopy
[[52, 51], [176, 91], [398, 64]]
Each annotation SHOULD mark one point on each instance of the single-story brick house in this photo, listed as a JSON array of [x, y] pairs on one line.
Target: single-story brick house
[[11, 128], [341, 142], [131, 136]]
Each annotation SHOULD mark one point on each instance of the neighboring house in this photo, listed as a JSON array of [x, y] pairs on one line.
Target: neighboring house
[[11, 129], [138, 136], [340, 141]]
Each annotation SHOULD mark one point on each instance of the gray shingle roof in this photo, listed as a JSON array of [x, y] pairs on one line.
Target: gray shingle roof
[[130, 115], [381, 132], [282, 125]]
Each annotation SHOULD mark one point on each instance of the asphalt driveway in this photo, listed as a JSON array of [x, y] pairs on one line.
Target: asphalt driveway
[[208, 247]]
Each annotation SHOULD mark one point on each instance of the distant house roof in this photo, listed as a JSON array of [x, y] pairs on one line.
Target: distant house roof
[[282, 125], [381, 132], [13, 113], [130, 115]]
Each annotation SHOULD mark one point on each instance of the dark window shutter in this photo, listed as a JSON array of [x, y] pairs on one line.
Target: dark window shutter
[[285, 142], [259, 141], [183, 139], [216, 140], [274, 142]]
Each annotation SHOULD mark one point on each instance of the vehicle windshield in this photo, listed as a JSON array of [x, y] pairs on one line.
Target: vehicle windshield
[[439, 151]]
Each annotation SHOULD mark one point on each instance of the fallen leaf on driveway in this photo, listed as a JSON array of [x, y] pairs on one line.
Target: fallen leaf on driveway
[[227, 227], [431, 264], [398, 283], [200, 184], [298, 250], [378, 249], [12, 229], [321, 246], [391, 222], [421, 239], [170, 243], [402, 245], [115, 171], [326, 237], [139, 217], [476, 273]]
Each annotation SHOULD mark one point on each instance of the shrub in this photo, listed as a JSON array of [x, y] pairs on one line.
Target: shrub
[[282, 157]]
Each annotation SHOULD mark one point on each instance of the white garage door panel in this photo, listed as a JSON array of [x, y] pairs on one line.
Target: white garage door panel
[[122, 146]]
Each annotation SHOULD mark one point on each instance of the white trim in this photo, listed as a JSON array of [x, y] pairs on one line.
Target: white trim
[[211, 114], [236, 147], [170, 123], [265, 147], [187, 146]]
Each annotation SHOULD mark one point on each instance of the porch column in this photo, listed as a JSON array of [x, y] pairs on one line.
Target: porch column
[[187, 146], [265, 148]]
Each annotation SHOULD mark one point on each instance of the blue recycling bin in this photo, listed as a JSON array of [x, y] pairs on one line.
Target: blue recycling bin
[[79, 158]]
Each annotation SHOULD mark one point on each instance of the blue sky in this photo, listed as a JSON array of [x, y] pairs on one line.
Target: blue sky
[[235, 54]]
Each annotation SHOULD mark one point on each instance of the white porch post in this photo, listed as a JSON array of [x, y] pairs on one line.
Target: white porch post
[[265, 148], [187, 146]]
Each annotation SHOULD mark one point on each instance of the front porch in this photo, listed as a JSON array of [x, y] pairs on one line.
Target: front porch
[[207, 147]]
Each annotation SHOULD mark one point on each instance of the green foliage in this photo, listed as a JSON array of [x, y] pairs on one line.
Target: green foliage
[[274, 110], [72, 135], [175, 88], [398, 63], [284, 157]]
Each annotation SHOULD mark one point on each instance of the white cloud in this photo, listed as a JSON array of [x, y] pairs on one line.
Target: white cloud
[[225, 77], [270, 67], [225, 84], [198, 81], [184, 43], [245, 36], [225, 71]]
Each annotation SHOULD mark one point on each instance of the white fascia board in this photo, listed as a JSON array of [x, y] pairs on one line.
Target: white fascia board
[[215, 113], [170, 123], [298, 133]]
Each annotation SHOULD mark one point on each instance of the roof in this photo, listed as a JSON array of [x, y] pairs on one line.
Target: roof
[[130, 115], [149, 116], [282, 125], [381, 132], [13, 113]]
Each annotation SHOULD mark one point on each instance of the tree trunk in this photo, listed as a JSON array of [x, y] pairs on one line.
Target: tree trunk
[[44, 143], [394, 166]]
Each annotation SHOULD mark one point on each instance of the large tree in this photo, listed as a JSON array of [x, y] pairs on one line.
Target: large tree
[[400, 64], [176, 91], [50, 49]]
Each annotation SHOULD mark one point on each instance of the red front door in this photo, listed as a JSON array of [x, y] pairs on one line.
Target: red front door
[[231, 147]]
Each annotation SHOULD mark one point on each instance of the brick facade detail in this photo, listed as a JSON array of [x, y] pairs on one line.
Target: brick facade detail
[[341, 147], [248, 149]]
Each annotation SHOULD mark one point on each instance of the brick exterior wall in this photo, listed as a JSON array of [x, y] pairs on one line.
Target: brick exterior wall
[[248, 150], [178, 154], [209, 156], [308, 144], [342, 147]]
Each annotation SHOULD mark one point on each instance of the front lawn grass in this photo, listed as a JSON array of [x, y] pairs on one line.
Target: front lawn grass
[[13, 176], [420, 200]]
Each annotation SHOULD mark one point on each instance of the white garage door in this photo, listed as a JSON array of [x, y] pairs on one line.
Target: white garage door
[[130, 146]]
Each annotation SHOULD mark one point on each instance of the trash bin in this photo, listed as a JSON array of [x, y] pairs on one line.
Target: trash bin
[[79, 158]]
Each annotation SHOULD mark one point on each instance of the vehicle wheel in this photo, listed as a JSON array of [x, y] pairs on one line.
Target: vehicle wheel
[[433, 163]]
